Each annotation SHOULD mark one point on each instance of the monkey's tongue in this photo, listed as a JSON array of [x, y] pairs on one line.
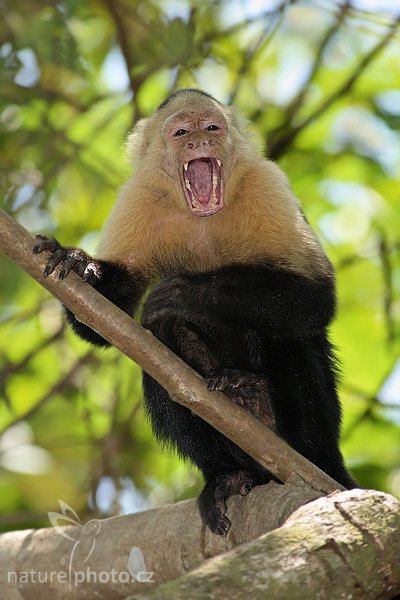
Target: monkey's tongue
[[199, 174]]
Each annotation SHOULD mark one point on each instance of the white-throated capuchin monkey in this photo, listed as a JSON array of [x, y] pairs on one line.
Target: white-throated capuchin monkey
[[244, 292]]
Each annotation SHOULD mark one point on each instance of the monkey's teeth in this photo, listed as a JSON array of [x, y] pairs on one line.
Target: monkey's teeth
[[187, 183], [214, 187], [218, 162], [186, 166]]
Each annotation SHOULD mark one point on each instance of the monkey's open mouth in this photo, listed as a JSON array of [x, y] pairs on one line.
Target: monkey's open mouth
[[202, 184]]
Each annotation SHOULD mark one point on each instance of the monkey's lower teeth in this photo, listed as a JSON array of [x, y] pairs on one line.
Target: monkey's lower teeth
[[201, 205]]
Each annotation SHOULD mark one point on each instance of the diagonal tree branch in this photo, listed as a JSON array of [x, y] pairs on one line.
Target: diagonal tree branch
[[182, 383]]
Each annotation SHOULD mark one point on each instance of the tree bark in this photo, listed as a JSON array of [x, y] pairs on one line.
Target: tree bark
[[171, 539], [346, 545]]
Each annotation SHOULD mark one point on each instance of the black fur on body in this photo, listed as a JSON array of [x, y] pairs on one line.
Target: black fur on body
[[259, 334]]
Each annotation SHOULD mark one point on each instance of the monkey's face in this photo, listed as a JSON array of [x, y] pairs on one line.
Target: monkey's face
[[196, 140]]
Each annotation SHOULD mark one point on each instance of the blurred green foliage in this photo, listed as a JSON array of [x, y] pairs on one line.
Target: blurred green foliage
[[321, 85]]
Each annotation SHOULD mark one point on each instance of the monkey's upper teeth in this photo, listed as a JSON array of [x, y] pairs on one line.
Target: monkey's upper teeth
[[185, 166], [218, 162]]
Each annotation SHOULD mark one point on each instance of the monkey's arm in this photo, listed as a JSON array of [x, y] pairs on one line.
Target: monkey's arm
[[124, 288], [284, 303]]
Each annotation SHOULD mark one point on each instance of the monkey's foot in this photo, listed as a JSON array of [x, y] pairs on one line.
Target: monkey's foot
[[212, 500], [72, 259], [248, 390]]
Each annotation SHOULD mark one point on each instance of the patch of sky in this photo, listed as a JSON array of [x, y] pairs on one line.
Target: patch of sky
[[390, 394], [236, 11], [114, 72], [357, 206], [175, 9], [127, 497], [29, 73], [369, 136]]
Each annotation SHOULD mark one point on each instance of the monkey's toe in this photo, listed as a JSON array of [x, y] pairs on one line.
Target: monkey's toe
[[248, 390], [221, 526], [219, 381], [246, 483], [237, 382], [230, 484]]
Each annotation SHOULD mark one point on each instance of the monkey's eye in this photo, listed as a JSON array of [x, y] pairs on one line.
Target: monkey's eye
[[180, 132], [212, 128]]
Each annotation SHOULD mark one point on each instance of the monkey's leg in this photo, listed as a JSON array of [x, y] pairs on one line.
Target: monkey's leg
[[124, 288], [226, 468], [248, 390], [205, 447]]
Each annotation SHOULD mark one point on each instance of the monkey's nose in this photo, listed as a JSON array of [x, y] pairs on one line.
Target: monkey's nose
[[192, 145]]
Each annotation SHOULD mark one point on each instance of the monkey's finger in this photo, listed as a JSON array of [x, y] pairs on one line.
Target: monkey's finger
[[54, 260], [45, 243], [69, 264]]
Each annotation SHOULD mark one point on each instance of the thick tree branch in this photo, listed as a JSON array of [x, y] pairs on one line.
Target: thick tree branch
[[291, 545], [343, 546], [183, 384]]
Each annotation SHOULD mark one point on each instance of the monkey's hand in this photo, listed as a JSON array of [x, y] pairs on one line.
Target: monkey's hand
[[71, 259]]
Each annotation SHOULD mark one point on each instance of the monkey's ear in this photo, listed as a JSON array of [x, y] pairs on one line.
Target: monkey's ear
[[244, 131], [238, 121], [137, 141]]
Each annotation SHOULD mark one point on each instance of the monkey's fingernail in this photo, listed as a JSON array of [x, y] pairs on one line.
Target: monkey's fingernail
[[63, 272], [47, 271], [36, 249]]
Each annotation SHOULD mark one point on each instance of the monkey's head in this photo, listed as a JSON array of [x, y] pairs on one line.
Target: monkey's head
[[194, 140]]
